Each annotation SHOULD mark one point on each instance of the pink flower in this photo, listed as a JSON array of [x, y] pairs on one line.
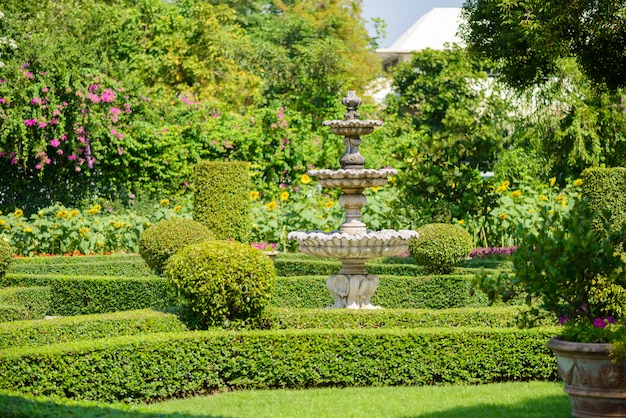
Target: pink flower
[[3, 100], [45, 89], [563, 320], [108, 96], [114, 112], [94, 98], [27, 74], [56, 112], [120, 150], [54, 121], [63, 137], [38, 166], [13, 161], [227, 144], [92, 88], [47, 160], [42, 125], [127, 108], [30, 122], [77, 169], [599, 323], [72, 157], [60, 151], [55, 143]]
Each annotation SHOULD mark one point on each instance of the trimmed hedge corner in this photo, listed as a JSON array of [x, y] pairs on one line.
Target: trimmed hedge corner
[[17, 303]]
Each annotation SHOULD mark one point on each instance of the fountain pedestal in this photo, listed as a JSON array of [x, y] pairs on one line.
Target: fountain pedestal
[[353, 244]]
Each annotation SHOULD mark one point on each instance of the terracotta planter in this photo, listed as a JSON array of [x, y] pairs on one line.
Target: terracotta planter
[[596, 386]]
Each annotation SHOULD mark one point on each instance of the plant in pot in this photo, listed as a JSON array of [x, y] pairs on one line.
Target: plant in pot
[[570, 266]]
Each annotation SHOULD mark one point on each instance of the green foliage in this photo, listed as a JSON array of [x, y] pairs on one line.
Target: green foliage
[[17, 303], [440, 247], [162, 240], [85, 327], [222, 281], [393, 292], [111, 265], [605, 189], [525, 39], [80, 295], [6, 256], [564, 263], [447, 126], [221, 199], [175, 364]]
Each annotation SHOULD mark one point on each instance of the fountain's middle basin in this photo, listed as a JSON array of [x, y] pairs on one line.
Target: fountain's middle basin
[[370, 244]]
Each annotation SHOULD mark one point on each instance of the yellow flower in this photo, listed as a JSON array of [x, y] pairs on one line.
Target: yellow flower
[[543, 197], [62, 213], [100, 244], [0, 212], [271, 205], [491, 188], [305, 179], [532, 211], [375, 188], [460, 221], [564, 203], [559, 198], [18, 212], [147, 224], [329, 204], [516, 194], [578, 182], [74, 212], [56, 226], [502, 216], [83, 232], [284, 196], [552, 181], [178, 208], [28, 229], [254, 195], [506, 184], [2, 222], [118, 224], [164, 202], [95, 209], [500, 189], [6, 227], [392, 180]]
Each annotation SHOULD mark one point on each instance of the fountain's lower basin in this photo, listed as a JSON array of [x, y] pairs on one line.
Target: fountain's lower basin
[[336, 244]]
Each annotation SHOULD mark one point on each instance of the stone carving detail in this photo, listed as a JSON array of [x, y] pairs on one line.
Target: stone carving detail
[[613, 376], [352, 291]]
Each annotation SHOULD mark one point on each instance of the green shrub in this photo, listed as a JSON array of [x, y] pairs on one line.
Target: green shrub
[[163, 239], [223, 281], [24, 303], [605, 189], [160, 366], [439, 247], [222, 199], [6, 255], [113, 265], [80, 295]]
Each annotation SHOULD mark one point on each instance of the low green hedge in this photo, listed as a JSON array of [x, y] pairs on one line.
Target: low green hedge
[[394, 292], [17, 303], [145, 321], [80, 295], [161, 366], [84, 327], [114, 265]]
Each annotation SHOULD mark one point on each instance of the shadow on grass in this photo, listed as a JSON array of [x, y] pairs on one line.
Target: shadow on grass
[[542, 407], [16, 406]]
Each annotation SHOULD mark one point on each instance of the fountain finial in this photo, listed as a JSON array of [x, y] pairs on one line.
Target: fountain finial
[[351, 102]]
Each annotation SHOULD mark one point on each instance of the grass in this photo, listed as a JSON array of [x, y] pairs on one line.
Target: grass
[[528, 400]]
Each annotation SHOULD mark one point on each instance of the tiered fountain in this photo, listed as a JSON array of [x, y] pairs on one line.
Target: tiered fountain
[[353, 244]]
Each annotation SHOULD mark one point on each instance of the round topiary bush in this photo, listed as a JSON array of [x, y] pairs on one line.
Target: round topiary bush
[[222, 281], [163, 239], [6, 256], [439, 247]]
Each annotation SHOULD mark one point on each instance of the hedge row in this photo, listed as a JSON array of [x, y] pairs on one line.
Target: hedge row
[[76, 295], [145, 321], [394, 292], [129, 266], [84, 327], [175, 365], [18, 303]]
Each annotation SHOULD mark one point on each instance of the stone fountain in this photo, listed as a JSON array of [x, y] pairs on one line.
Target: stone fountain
[[353, 244]]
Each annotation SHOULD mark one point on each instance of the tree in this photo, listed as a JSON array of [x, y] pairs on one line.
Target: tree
[[453, 124], [526, 38]]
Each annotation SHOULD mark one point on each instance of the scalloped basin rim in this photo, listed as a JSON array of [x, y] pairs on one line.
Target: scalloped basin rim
[[382, 235]]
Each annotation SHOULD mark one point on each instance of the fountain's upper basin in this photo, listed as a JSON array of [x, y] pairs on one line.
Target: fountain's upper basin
[[371, 244], [352, 178], [352, 127]]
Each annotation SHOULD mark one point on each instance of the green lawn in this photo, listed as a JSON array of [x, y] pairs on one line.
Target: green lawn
[[535, 399]]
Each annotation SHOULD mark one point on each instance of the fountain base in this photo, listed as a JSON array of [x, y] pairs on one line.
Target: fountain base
[[352, 291]]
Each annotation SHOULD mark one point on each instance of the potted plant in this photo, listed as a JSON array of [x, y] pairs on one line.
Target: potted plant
[[569, 265]]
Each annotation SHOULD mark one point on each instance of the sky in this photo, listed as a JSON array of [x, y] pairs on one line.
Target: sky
[[401, 14]]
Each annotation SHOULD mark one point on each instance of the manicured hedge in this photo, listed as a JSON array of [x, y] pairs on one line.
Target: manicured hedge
[[162, 366], [17, 303], [393, 292], [83, 327], [605, 189], [79, 295], [127, 265]]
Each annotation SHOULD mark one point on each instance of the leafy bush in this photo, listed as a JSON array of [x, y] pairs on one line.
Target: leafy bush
[[221, 199], [160, 366], [24, 303], [222, 281], [439, 247], [163, 239], [6, 256], [127, 265], [604, 189]]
